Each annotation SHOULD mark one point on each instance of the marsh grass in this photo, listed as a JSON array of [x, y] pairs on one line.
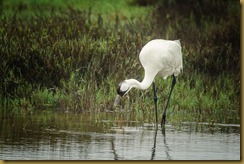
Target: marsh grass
[[67, 62]]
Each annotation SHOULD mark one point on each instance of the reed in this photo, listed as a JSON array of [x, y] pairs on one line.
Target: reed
[[67, 62]]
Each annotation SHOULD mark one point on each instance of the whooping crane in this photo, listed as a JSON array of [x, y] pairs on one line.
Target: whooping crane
[[162, 57]]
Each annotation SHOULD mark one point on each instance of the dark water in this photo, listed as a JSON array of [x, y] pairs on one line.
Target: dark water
[[112, 137]]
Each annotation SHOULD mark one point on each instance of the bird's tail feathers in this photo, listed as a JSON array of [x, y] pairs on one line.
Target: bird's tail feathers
[[178, 41]]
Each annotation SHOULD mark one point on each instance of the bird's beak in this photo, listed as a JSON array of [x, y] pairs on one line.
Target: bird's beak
[[117, 100]]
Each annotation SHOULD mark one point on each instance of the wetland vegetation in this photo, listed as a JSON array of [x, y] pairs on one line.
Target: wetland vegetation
[[69, 56]]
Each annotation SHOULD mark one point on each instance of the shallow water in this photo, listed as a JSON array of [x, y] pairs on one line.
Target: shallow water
[[96, 137]]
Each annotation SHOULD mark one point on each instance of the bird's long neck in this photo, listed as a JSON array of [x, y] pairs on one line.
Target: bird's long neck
[[146, 82]]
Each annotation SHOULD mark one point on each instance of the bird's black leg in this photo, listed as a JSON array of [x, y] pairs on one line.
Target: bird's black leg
[[164, 112], [155, 102]]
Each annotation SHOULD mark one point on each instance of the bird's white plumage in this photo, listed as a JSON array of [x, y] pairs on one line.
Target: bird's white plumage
[[158, 56], [162, 56]]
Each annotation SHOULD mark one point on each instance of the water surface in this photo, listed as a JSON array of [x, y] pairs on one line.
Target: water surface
[[110, 137]]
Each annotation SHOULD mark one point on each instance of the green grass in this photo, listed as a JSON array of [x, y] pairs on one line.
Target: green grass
[[107, 9], [69, 58]]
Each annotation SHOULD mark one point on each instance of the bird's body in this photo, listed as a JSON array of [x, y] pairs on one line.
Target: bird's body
[[158, 57], [162, 57]]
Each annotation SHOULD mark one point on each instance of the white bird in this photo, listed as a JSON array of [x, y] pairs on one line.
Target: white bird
[[158, 57]]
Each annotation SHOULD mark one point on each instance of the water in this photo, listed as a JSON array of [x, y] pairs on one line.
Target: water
[[111, 137]]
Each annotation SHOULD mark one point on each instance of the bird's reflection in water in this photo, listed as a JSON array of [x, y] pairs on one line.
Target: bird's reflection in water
[[154, 144], [165, 145], [116, 157]]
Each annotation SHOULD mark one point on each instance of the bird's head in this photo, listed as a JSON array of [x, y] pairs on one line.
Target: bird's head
[[123, 88]]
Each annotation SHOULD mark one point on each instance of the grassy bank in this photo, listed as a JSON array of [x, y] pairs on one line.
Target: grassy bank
[[72, 57]]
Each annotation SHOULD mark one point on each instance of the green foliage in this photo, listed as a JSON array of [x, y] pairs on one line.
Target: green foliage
[[71, 59], [210, 30]]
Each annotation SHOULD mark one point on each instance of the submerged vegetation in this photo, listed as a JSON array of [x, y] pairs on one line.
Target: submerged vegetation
[[70, 59]]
